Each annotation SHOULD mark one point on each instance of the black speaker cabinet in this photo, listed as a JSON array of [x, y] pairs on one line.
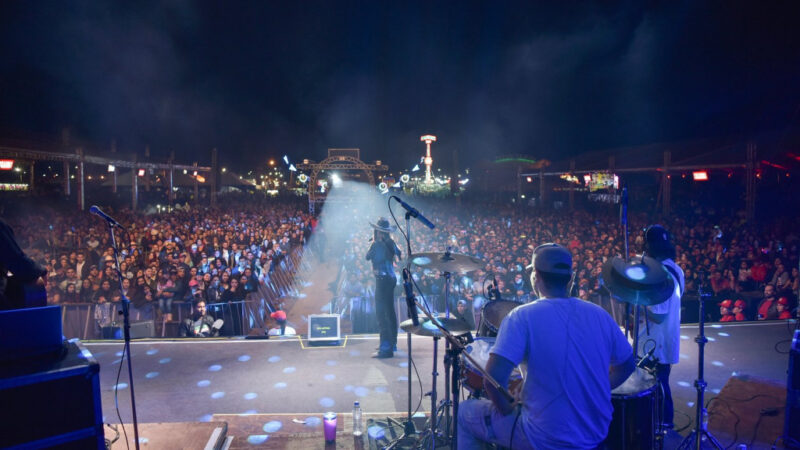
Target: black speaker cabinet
[[52, 402]]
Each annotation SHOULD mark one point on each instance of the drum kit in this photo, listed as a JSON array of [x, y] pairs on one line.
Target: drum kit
[[465, 357], [636, 421]]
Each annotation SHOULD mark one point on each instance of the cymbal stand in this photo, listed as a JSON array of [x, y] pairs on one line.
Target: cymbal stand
[[623, 218], [447, 362], [695, 438]]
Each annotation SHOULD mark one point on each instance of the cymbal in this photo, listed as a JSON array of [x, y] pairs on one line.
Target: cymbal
[[642, 281], [427, 328], [447, 262]]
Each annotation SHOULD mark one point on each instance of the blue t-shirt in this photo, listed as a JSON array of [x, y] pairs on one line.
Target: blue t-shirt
[[568, 346]]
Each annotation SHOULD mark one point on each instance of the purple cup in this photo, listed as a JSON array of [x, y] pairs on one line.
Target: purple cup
[[329, 426]]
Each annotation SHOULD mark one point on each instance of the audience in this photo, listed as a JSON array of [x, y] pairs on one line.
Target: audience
[[220, 255]]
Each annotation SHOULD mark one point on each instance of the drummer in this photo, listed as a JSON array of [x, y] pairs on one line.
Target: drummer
[[575, 354]]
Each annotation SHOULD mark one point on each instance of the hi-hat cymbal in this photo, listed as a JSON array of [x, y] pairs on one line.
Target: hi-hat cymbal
[[447, 262], [427, 328], [642, 281]]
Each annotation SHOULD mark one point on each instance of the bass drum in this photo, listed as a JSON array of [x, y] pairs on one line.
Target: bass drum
[[636, 406], [492, 315]]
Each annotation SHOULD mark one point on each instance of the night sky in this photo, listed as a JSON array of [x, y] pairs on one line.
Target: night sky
[[261, 79]]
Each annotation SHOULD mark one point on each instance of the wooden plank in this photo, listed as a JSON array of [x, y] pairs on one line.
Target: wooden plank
[[177, 435], [253, 429]]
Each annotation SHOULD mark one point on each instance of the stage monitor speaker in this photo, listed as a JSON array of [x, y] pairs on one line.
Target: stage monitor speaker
[[52, 402], [323, 329], [143, 329]]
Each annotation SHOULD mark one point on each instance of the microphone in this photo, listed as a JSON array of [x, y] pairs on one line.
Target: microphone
[[98, 212], [412, 307], [646, 358], [414, 213]]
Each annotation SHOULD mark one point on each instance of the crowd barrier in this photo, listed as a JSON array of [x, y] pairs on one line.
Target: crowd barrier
[[282, 283]]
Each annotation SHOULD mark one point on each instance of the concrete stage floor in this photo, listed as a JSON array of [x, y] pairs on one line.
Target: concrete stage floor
[[191, 380]]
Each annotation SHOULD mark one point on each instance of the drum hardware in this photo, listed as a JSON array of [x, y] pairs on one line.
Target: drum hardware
[[700, 431], [428, 328], [457, 346], [447, 262], [437, 327]]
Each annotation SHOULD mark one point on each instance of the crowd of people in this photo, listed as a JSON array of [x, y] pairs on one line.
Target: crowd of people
[[217, 256], [220, 255], [750, 271]]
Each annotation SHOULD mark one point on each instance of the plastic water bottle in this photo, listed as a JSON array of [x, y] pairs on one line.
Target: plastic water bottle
[[357, 428]]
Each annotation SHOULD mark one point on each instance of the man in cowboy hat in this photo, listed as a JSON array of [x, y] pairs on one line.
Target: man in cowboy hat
[[382, 253]]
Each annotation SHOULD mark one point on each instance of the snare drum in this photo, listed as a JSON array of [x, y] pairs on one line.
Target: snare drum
[[492, 315], [472, 378], [635, 402]]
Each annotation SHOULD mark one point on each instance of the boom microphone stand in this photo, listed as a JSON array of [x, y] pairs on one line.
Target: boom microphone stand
[[126, 318], [695, 438], [409, 431]]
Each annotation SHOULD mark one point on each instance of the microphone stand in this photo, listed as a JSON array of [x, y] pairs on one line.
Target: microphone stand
[[695, 438], [126, 319], [408, 426]]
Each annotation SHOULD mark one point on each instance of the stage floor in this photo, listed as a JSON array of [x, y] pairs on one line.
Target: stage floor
[[191, 380]]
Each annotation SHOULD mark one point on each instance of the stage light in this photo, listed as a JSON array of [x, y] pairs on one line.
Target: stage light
[[292, 168], [141, 172], [286, 159], [416, 168], [302, 178], [111, 168], [201, 179], [185, 171], [529, 179], [405, 178], [336, 180], [700, 175]]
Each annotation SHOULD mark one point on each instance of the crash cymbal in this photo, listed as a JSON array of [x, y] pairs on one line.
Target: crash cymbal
[[447, 262], [642, 281], [427, 328]]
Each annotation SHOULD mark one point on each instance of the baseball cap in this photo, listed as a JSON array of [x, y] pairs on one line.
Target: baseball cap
[[551, 258], [740, 304], [726, 303], [783, 301], [657, 237]]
